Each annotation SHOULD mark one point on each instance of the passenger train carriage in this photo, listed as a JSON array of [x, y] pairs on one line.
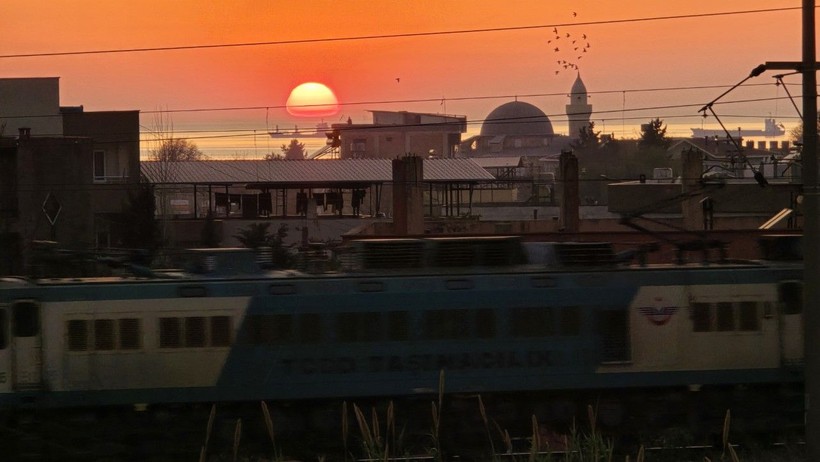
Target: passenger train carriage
[[569, 319]]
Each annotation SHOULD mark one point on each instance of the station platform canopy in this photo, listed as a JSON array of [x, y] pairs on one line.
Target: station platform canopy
[[305, 173]]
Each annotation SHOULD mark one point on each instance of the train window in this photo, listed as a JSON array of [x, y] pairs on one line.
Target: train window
[[220, 331], [446, 324], [347, 327], [129, 334], [373, 330], [103, 334], [77, 335], [4, 327], [26, 321], [570, 321], [532, 322], [170, 331], [195, 331], [310, 328], [725, 317], [273, 329], [398, 328], [749, 318], [485, 323], [701, 317], [359, 327]]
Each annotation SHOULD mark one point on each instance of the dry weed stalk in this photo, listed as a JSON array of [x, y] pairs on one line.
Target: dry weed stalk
[[204, 450], [237, 435]]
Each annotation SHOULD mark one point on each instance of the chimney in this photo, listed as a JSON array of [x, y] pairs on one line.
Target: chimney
[[773, 145], [691, 188], [570, 195], [408, 198], [784, 145], [25, 133], [750, 144], [761, 145]]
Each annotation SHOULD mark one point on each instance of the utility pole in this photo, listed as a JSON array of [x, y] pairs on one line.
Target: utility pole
[[811, 232], [811, 227]]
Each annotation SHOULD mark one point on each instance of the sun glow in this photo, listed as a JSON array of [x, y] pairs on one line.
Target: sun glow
[[312, 99]]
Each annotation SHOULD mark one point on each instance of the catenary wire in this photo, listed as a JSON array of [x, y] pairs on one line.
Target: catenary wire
[[399, 35]]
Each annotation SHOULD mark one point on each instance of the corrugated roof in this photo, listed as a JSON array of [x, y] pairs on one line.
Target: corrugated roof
[[304, 171], [498, 162]]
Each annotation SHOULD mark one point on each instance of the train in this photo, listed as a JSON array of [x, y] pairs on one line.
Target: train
[[558, 323]]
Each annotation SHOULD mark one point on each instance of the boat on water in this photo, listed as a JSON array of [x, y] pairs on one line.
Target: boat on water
[[771, 129], [317, 132]]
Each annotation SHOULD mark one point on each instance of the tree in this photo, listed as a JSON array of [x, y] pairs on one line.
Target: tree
[[653, 135], [588, 138], [209, 235], [796, 133], [176, 150], [256, 235], [139, 223], [294, 151]]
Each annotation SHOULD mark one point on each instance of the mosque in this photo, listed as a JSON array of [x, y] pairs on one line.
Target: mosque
[[520, 129]]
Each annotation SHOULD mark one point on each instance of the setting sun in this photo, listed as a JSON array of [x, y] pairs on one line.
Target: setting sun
[[312, 99]]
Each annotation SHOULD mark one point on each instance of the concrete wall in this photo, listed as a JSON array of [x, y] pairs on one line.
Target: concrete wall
[[33, 103]]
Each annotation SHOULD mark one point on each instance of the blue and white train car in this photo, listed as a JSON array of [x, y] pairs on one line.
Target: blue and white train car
[[491, 327]]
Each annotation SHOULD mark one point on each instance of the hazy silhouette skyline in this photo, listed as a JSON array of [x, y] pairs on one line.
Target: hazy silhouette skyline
[[456, 57]]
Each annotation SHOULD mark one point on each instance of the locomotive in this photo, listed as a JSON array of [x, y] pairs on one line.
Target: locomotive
[[563, 322]]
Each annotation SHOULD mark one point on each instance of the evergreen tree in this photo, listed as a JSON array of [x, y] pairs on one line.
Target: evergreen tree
[[293, 151], [653, 135], [588, 138], [209, 237], [140, 229]]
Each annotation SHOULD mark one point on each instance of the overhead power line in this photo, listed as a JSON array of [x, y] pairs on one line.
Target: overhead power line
[[393, 36], [412, 101]]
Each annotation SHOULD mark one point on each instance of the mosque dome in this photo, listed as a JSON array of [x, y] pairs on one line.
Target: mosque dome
[[517, 118]]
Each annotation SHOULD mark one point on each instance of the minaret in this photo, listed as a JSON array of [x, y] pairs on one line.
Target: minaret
[[578, 110]]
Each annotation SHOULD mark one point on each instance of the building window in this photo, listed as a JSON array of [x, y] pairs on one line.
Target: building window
[[110, 167], [99, 166], [358, 148]]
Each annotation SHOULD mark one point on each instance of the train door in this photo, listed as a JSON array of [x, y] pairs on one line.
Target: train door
[[5, 351], [790, 294], [26, 345]]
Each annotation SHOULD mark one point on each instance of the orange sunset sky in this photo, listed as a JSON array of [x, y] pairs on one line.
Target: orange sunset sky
[[244, 88]]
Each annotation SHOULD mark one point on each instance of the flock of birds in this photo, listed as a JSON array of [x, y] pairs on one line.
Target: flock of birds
[[571, 48]]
